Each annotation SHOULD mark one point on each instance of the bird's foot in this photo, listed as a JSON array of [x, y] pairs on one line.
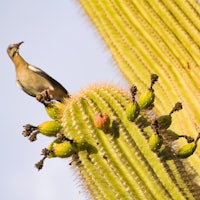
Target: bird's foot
[[44, 97]]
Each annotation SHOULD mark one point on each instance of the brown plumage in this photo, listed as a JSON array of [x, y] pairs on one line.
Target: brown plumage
[[32, 79]]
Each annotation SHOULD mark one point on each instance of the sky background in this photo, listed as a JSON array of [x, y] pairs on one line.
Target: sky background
[[60, 39]]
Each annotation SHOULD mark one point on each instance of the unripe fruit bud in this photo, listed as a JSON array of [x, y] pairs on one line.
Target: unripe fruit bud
[[155, 142], [132, 111], [53, 110], [102, 121], [62, 150], [146, 99], [187, 150], [164, 121], [49, 128]]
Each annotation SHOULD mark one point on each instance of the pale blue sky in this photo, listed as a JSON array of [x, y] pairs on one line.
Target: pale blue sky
[[59, 39]]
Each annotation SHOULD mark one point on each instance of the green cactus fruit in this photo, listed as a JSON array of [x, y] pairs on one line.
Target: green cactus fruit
[[155, 142], [187, 150], [49, 128], [146, 99], [102, 121], [132, 111], [164, 121], [62, 150], [53, 110]]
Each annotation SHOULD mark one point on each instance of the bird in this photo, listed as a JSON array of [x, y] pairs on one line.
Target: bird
[[33, 80]]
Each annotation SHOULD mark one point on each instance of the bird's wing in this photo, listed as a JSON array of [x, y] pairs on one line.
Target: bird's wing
[[47, 77], [39, 71]]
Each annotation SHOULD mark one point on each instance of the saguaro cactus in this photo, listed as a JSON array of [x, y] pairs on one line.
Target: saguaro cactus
[[118, 163], [125, 150], [119, 158]]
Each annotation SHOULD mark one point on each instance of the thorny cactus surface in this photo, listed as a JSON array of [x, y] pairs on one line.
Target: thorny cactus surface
[[129, 146]]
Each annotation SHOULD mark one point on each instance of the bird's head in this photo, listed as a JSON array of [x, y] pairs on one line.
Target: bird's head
[[13, 49]]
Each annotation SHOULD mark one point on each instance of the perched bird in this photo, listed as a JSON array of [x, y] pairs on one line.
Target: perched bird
[[32, 79]]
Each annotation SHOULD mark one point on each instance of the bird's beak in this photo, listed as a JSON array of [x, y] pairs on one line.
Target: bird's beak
[[18, 44]]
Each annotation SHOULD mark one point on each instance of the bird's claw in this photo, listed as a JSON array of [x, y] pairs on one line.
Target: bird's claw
[[44, 97]]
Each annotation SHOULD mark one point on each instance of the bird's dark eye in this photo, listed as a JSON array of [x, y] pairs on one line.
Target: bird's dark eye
[[13, 54]]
